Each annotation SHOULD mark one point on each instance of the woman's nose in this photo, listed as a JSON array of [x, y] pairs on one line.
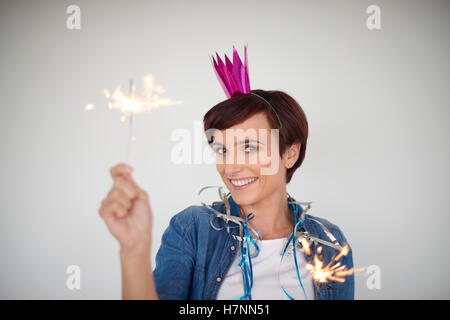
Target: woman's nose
[[233, 170], [236, 158]]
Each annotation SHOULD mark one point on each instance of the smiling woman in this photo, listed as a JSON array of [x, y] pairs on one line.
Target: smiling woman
[[253, 190], [281, 112], [234, 248]]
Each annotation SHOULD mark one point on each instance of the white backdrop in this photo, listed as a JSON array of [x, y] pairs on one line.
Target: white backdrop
[[377, 102]]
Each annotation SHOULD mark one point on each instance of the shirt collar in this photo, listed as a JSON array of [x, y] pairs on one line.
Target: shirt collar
[[235, 209]]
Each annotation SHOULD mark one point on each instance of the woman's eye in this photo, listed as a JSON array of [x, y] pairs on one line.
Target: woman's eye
[[248, 149], [251, 148], [220, 151]]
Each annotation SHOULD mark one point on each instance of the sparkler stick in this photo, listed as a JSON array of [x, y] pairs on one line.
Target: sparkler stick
[[130, 114]]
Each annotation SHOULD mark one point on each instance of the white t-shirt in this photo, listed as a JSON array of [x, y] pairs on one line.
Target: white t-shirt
[[266, 285]]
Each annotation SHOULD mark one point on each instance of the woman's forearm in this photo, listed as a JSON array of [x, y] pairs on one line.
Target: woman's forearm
[[137, 276]]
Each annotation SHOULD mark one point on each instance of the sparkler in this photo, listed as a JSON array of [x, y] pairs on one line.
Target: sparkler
[[130, 137], [131, 104], [333, 271]]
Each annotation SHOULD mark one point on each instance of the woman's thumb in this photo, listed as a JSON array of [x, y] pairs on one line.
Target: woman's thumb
[[140, 193]]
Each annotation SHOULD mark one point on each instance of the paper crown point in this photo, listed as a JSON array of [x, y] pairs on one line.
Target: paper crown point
[[233, 76]]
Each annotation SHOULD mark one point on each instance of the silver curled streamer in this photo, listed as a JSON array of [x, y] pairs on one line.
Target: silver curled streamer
[[227, 217], [299, 235]]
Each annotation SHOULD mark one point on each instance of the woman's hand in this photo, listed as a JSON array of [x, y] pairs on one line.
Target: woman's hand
[[127, 213]]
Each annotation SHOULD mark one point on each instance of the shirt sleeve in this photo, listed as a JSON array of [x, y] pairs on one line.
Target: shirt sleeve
[[345, 290], [175, 259]]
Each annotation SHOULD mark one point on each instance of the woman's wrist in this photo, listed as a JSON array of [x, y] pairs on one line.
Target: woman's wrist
[[137, 275], [137, 253]]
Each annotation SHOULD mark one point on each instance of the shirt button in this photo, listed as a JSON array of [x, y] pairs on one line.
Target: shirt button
[[232, 248], [219, 279]]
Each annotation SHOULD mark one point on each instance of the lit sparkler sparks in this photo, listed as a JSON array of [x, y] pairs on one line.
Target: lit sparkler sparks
[[131, 104], [333, 271], [89, 107]]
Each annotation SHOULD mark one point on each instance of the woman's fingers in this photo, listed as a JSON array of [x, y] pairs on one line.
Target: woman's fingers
[[110, 208], [140, 193], [127, 186], [122, 169], [121, 175], [124, 190], [117, 194]]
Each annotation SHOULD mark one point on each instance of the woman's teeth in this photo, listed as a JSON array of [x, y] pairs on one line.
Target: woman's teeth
[[239, 183]]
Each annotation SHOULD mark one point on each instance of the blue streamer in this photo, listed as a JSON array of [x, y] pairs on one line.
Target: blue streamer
[[294, 245], [246, 258], [246, 266], [247, 269]]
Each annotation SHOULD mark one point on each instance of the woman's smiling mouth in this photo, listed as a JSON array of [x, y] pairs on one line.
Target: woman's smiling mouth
[[239, 184]]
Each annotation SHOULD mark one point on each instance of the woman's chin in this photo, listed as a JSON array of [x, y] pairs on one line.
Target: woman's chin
[[243, 197]]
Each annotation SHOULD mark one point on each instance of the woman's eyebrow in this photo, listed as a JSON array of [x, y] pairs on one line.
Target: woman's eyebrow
[[240, 142]]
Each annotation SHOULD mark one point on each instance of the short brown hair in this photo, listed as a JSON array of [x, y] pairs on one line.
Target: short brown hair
[[239, 108]]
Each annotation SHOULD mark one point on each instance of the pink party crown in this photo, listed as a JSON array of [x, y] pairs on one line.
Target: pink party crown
[[233, 76]]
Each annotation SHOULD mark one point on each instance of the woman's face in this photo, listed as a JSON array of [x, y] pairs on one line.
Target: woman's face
[[248, 160]]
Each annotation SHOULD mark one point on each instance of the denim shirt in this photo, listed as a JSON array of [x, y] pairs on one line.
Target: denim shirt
[[194, 258]]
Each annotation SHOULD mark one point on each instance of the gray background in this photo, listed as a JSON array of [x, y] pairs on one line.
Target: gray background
[[377, 103]]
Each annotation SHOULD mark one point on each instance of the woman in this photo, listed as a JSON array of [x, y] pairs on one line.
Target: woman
[[237, 248]]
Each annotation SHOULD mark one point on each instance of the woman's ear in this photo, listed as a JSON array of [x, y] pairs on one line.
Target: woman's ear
[[293, 153]]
